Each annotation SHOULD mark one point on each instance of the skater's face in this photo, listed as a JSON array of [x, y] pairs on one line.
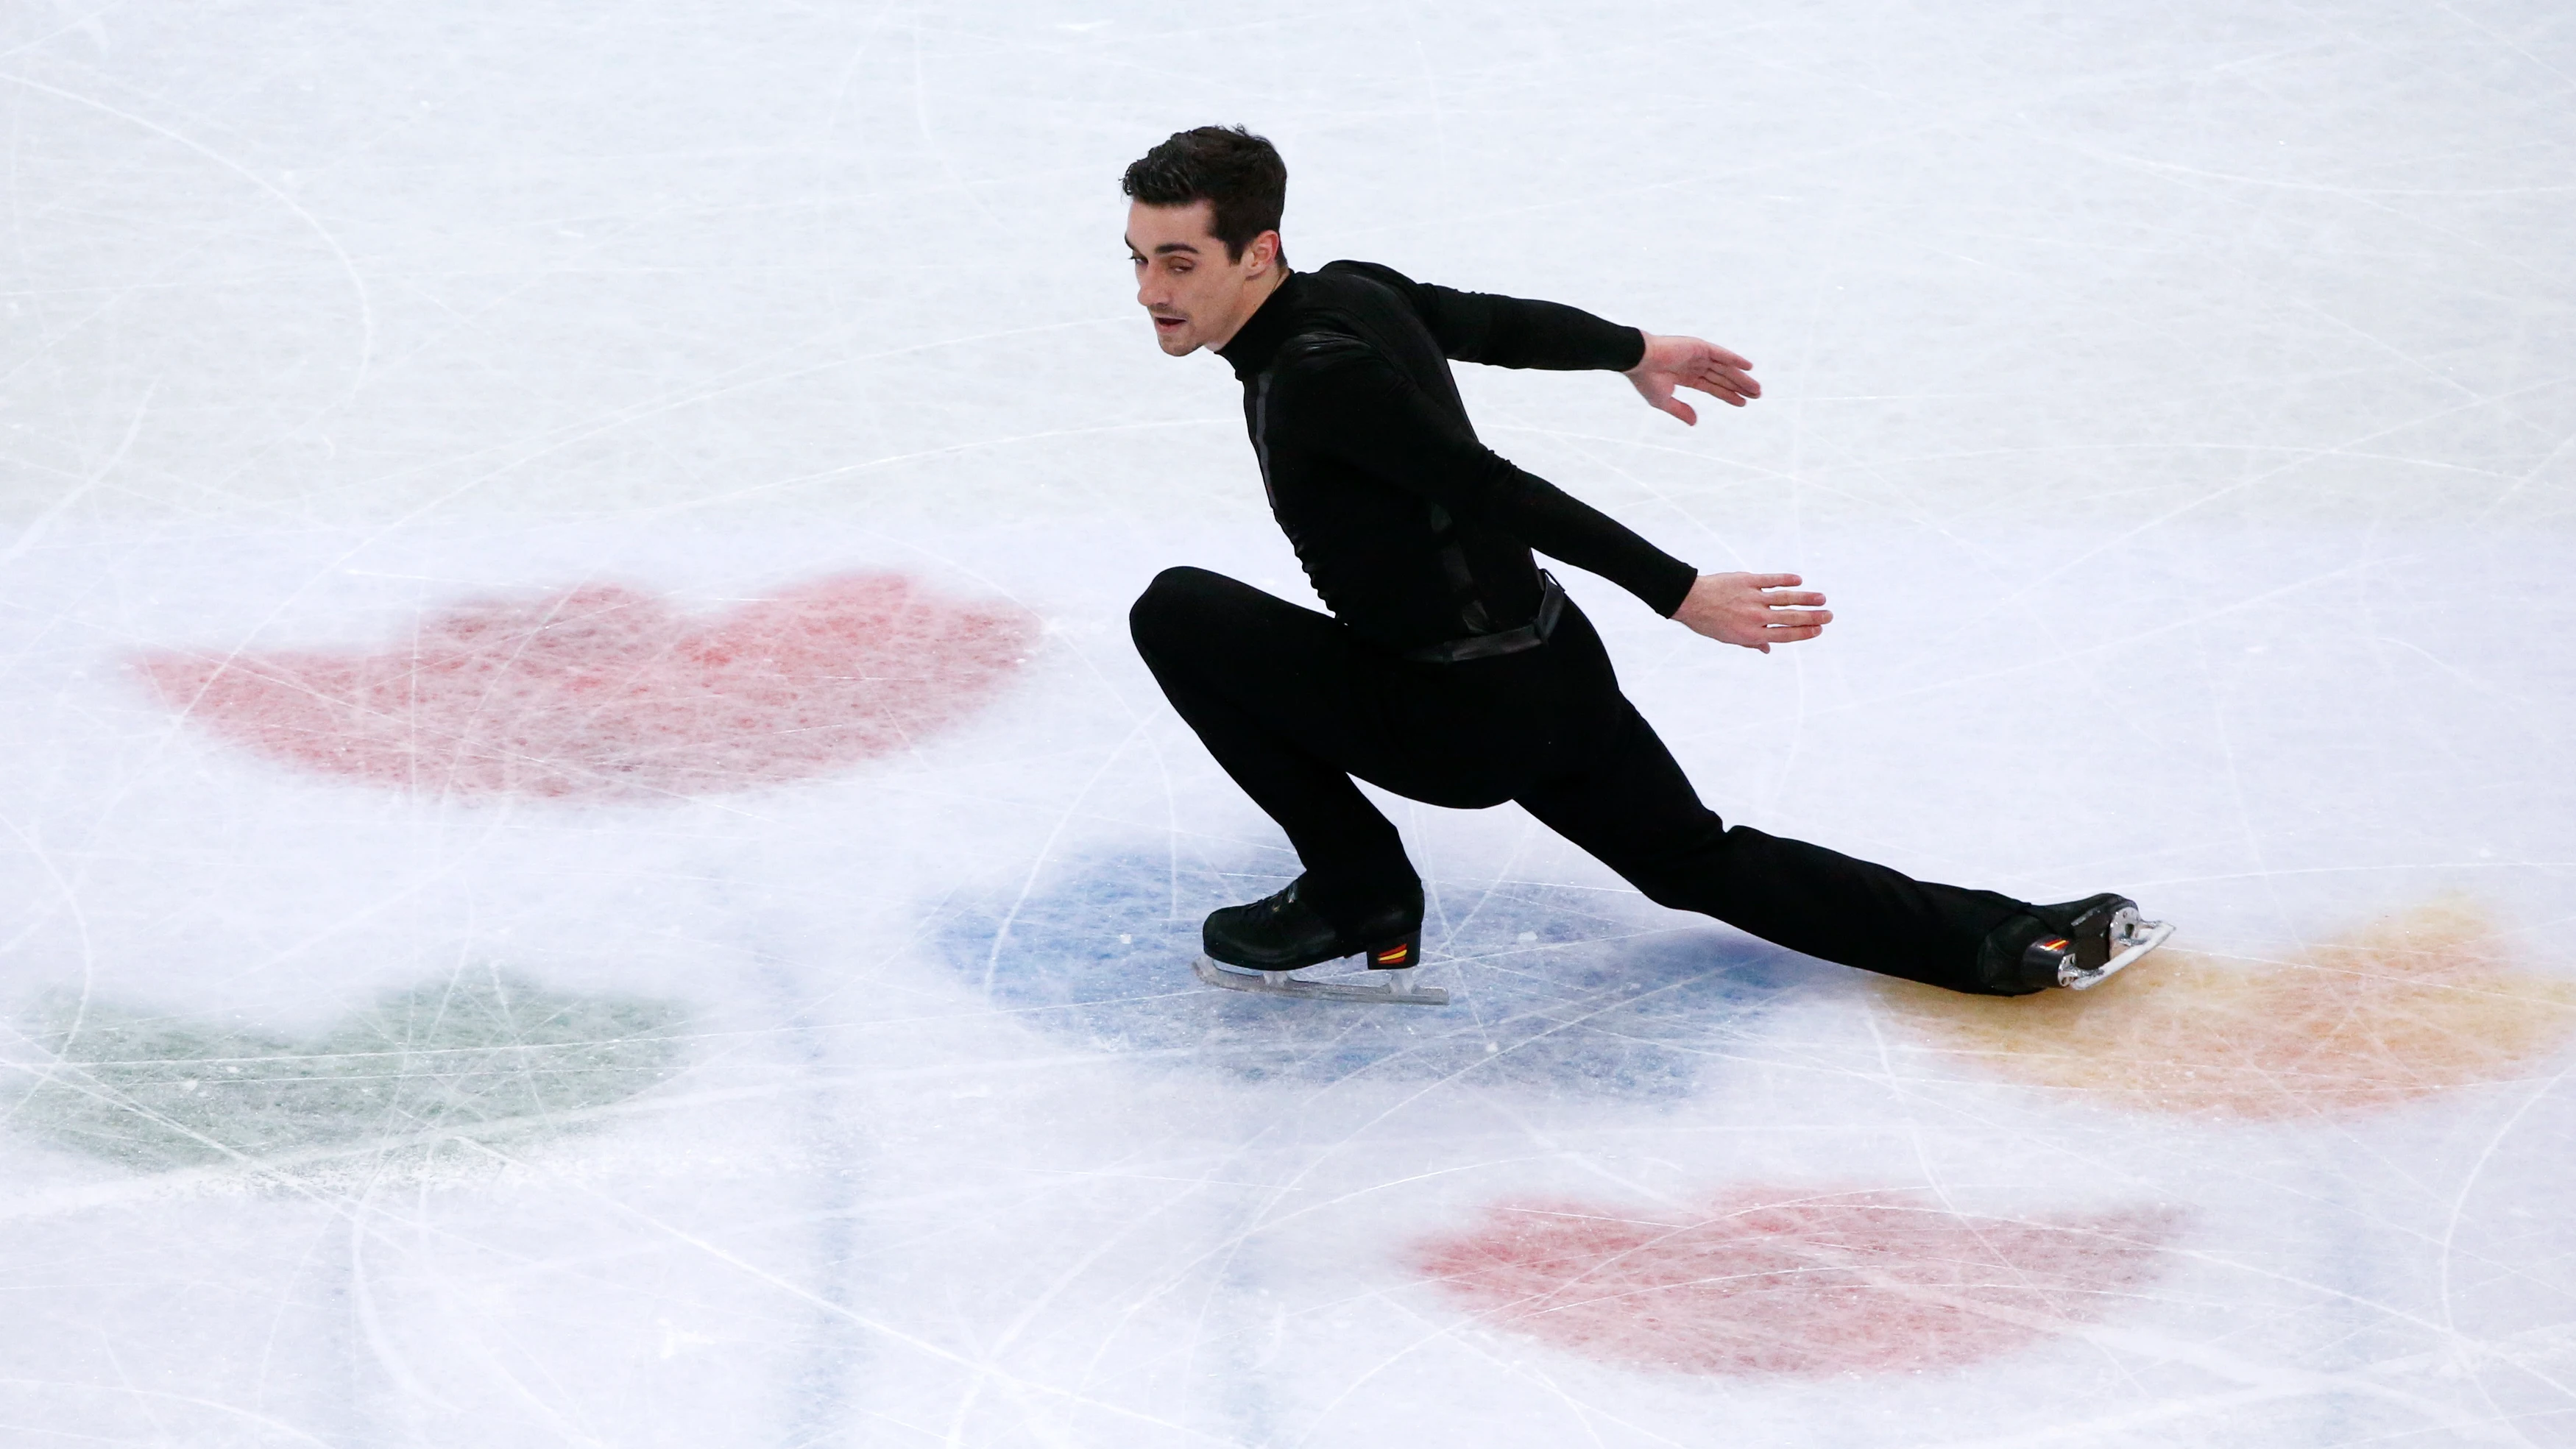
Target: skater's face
[[1197, 295]]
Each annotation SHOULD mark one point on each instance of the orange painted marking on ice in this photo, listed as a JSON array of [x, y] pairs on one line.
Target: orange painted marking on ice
[[2422, 1003], [1793, 1281], [607, 692]]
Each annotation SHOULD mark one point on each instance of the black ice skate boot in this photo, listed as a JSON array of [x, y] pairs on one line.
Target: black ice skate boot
[[2074, 944], [1283, 933]]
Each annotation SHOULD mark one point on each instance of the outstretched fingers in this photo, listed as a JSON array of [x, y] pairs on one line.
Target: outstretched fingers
[[1754, 611], [1728, 386], [1723, 375], [1692, 362]]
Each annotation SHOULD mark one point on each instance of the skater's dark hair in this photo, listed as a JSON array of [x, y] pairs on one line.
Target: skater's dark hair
[[1238, 172]]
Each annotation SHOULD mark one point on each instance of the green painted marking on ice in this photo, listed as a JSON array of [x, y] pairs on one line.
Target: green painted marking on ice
[[467, 1059]]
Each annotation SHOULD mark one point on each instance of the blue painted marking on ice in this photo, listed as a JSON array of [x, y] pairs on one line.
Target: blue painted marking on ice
[[1550, 986]]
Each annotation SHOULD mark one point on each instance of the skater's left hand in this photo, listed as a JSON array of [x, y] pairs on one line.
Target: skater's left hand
[[1754, 610], [1676, 362]]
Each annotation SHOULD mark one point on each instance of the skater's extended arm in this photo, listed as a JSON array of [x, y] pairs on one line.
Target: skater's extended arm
[[1510, 331], [1338, 397], [1516, 332]]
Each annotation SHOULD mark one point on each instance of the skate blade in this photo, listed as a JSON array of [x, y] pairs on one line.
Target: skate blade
[[1397, 988], [2135, 939]]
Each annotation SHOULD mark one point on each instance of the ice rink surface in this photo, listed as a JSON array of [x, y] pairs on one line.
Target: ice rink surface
[[584, 858]]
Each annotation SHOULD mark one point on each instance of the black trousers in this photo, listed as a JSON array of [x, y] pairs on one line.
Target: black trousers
[[1293, 705]]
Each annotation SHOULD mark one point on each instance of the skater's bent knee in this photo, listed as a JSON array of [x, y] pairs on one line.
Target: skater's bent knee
[[1169, 603]]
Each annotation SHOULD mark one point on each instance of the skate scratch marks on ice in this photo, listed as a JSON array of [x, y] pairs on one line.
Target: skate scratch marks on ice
[[2422, 1003], [1553, 989], [604, 692], [400, 1085], [1793, 1281]]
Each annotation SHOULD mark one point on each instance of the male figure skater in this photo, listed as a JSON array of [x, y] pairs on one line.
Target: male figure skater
[[1452, 670]]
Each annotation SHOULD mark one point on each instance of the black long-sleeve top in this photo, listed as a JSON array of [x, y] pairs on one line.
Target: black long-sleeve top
[[1413, 532]]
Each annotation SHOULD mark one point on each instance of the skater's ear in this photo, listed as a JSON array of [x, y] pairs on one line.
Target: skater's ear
[[1261, 254]]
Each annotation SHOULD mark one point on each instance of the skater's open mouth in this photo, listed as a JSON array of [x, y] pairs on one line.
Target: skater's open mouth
[[1168, 323]]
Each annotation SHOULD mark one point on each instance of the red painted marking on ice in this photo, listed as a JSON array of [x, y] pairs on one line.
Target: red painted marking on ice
[[606, 692], [1787, 1282]]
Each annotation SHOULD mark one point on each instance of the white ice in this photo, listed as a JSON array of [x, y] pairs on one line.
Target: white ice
[[2176, 401]]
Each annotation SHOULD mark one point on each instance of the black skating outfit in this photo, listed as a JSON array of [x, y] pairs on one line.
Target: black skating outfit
[[1432, 679]]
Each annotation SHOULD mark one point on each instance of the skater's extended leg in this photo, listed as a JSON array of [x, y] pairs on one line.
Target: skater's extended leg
[[1629, 804], [1280, 700]]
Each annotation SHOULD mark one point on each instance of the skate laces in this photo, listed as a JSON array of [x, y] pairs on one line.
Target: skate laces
[[1270, 907]]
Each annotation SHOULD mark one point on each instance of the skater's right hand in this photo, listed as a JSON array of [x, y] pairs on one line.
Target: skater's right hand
[[1754, 610]]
